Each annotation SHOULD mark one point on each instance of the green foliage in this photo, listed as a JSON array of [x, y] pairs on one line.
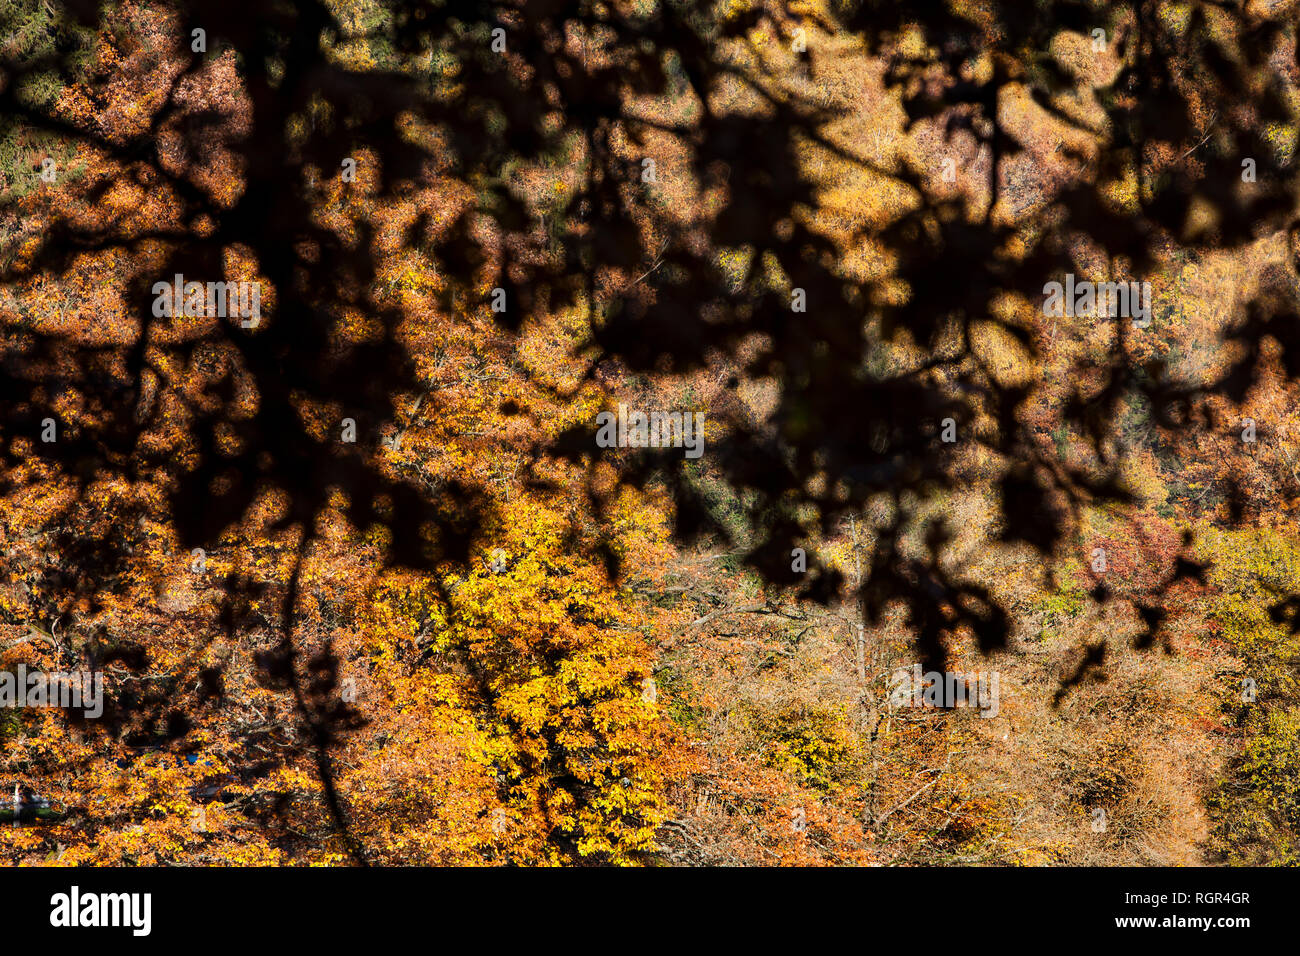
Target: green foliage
[[675, 698], [1066, 603], [1058, 606], [1256, 808], [10, 725], [35, 32]]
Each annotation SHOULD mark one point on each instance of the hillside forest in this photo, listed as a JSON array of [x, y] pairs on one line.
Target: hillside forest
[[649, 432]]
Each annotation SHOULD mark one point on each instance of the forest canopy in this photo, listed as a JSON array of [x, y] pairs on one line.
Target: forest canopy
[[554, 433]]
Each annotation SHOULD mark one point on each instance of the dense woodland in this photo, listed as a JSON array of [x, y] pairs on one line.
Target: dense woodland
[[364, 588]]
